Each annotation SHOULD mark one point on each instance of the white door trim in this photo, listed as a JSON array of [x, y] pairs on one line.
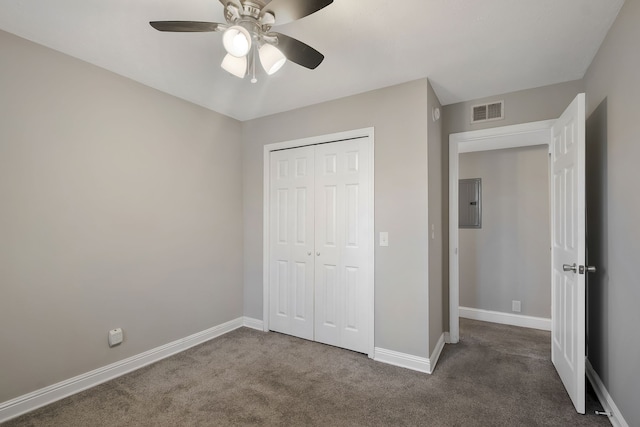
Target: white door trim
[[335, 137], [522, 135]]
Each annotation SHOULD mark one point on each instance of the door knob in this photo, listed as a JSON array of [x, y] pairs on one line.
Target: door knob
[[567, 267], [309, 253], [318, 253], [587, 268]]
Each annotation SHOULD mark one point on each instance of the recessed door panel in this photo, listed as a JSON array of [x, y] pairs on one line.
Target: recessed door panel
[[283, 169], [301, 287], [569, 320], [301, 215], [330, 216], [282, 215], [330, 164], [352, 294], [329, 287], [302, 165], [353, 158], [559, 211], [569, 226], [282, 284], [352, 203]]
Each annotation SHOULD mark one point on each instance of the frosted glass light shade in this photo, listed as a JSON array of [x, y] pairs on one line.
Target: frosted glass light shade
[[271, 58], [237, 41], [234, 65]]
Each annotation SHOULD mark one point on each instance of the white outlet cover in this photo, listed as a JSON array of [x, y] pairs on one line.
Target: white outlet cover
[[516, 306], [384, 238], [115, 337]]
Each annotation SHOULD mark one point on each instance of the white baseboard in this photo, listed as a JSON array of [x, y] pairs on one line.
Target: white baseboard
[[605, 399], [505, 318], [253, 323], [435, 355], [409, 361], [28, 402], [447, 338]]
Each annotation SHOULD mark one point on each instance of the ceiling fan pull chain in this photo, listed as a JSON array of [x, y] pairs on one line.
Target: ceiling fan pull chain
[[253, 65]]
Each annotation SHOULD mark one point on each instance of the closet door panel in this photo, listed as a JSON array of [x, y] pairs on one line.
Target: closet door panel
[[342, 286], [291, 228]]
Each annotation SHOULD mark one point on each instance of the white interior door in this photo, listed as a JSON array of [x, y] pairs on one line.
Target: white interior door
[[321, 243], [568, 250], [291, 269], [342, 244]]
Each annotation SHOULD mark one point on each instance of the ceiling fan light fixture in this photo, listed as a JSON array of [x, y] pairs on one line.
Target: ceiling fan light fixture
[[271, 58], [237, 41], [247, 36], [234, 65]]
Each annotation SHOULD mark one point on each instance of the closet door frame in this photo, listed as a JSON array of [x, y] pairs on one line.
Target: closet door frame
[[323, 139]]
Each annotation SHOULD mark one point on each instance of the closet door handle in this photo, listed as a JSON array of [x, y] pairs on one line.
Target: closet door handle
[[309, 253], [318, 253]]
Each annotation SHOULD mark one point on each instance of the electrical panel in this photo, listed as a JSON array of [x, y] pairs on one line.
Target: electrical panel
[[470, 203]]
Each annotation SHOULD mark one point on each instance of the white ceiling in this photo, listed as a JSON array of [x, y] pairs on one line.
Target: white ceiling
[[468, 48]]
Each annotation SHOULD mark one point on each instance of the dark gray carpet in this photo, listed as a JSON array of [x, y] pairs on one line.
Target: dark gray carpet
[[496, 376]]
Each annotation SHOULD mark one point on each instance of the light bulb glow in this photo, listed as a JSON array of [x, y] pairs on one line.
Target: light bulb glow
[[237, 41], [234, 65], [271, 58]]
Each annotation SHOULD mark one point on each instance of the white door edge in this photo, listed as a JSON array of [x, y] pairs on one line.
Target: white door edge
[[334, 137], [521, 135]]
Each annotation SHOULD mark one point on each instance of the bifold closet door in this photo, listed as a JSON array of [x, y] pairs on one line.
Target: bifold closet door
[[320, 277], [291, 249], [342, 241]]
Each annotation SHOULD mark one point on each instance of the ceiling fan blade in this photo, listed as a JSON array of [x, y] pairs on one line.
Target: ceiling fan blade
[[298, 52], [185, 26], [290, 10]]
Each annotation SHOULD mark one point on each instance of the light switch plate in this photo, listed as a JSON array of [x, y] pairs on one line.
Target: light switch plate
[[384, 238]]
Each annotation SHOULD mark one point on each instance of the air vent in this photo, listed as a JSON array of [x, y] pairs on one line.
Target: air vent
[[487, 112]]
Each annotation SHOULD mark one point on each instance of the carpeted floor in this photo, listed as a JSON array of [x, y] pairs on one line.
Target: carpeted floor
[[496, 376]]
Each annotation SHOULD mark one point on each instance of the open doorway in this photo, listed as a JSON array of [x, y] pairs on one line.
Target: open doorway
[[505, 236], [566, 140], [523, 135]]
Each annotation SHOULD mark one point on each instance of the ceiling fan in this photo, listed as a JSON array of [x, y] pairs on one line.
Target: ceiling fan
[[247, 34]]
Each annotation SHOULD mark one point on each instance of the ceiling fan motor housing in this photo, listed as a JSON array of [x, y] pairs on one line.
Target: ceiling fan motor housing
[[248, 9], [250, 18]]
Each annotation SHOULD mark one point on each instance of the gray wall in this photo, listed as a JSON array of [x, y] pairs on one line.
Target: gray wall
[[121, 207], [508, 258], [531, 105], [399, 115], [436, 267], [613, 205], [524, 106]]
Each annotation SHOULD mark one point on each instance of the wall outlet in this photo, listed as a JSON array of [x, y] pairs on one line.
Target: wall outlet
[[516, 306], [384, 238], [115, 337]]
